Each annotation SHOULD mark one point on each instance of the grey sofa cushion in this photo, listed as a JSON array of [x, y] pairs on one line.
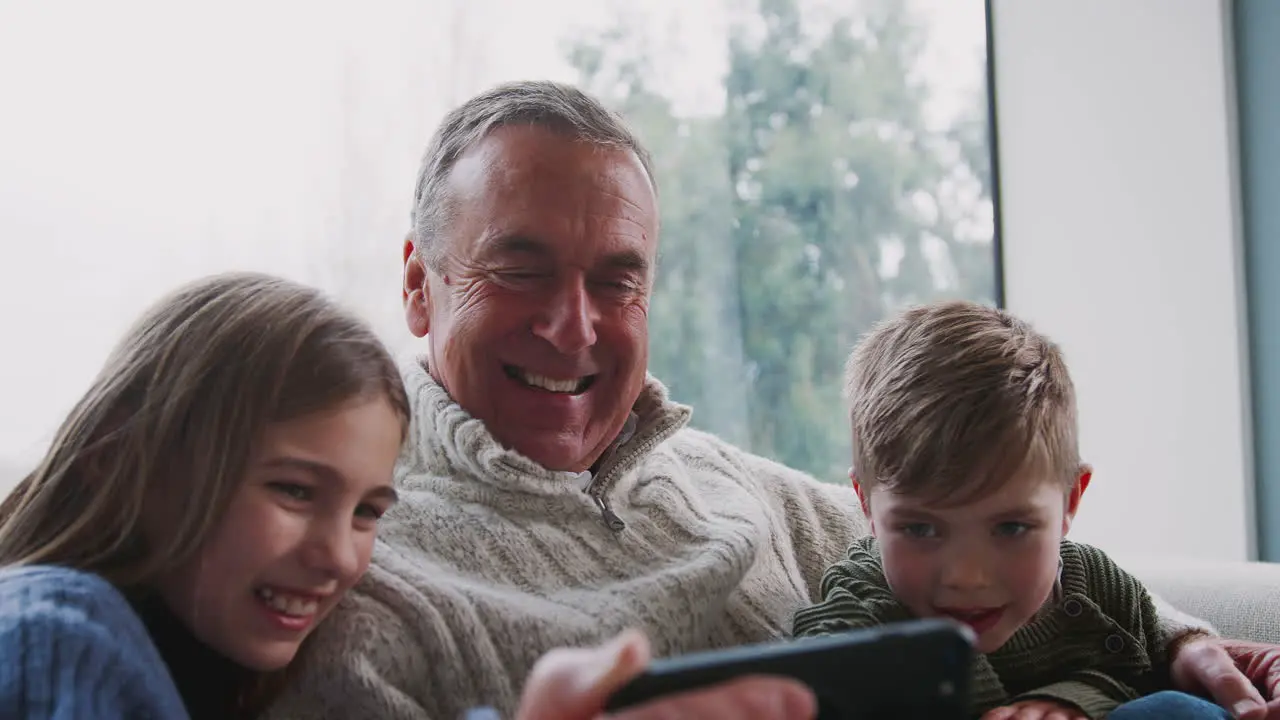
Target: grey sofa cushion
[[1240, 599]]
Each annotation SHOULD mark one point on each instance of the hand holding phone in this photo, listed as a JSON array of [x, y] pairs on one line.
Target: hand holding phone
[[916, 669]]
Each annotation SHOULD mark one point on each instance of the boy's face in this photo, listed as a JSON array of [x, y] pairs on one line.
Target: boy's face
[[990, 564]]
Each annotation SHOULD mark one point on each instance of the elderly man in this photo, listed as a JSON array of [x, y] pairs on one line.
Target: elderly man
[[553, 495]]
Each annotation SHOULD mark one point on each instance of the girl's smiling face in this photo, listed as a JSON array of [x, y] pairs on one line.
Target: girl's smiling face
[[298, 534]]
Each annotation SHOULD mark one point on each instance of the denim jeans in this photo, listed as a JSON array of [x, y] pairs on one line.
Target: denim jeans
[[1169, 705]]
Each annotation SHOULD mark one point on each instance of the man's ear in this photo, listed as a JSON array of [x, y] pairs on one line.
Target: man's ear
[[415, 293], [862, 499], [1083, 478]]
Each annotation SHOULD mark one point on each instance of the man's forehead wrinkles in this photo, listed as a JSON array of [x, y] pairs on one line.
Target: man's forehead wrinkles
[[611, 193], [604, 218]]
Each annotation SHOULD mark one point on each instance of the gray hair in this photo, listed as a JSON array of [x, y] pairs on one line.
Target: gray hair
[[561, 108]]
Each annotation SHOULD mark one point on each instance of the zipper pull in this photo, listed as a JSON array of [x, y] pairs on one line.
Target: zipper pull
[[610, 517]]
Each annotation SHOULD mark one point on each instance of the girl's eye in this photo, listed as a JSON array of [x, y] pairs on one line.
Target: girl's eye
[[293, 491], [369, 512]]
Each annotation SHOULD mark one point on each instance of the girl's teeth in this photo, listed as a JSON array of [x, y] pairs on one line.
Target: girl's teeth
[[297, 607]]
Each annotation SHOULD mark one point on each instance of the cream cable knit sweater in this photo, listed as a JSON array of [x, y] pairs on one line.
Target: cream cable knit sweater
[[490, 560]]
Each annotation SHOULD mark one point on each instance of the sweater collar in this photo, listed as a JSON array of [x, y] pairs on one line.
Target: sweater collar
[[211, 686], [1054, 621], [448, 441]]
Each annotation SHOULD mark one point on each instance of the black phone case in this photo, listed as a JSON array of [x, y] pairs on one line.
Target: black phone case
[[917, 669]]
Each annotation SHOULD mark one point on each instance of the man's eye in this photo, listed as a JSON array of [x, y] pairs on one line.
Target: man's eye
[[617, 284], [520, 275]]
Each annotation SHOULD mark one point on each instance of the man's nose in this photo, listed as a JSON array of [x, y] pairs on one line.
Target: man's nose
[[568, 321]]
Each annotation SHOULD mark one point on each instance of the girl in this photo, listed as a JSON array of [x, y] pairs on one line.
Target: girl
[[224, 475]]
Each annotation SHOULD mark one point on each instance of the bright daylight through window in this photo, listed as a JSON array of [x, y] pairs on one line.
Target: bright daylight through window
[[820, 163]]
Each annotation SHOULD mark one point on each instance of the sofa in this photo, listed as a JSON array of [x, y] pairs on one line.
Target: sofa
[[1240, 599]]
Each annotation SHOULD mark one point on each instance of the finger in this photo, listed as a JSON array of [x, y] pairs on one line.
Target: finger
[[1229, 687], [1000, 713], [1261, 664], [1233, 691], [1272, 681], [1250, 712], [1273, 710], [749, 698], [1028, 712], [573, 684], [1059, 715]]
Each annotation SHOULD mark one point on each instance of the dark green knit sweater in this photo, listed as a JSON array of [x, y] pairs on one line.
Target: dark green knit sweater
[[1094, 646]]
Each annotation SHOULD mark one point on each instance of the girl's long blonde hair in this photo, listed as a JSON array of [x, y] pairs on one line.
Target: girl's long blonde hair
[[164, 435]]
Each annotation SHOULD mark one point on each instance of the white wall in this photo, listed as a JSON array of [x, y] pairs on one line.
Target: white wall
[[151, 142], [1118, 180]]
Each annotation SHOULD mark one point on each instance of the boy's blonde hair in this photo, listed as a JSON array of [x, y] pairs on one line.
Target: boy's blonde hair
[[948, 401]]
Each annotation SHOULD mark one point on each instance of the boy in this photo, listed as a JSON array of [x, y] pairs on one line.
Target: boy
[[966, 462]]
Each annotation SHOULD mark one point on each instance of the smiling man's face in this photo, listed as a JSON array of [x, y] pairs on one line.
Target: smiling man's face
[[537, 311]]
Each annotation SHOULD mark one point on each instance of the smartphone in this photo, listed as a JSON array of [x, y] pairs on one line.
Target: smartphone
[[916, 669]]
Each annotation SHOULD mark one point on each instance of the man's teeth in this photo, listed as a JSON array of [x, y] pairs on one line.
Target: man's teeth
[[546, 383], [288, 604]]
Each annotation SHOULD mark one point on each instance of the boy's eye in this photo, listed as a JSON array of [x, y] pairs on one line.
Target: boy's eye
[[918, 530], [1012, 529], [292, 490], [369, 512]]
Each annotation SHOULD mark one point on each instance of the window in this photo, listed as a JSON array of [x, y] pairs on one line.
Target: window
[[820, 162], [1257, 61]]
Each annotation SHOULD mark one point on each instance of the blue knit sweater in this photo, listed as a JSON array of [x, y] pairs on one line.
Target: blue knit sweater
[[71, 647]]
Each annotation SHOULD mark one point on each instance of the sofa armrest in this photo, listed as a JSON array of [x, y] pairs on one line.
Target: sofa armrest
[[1240, 599]]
